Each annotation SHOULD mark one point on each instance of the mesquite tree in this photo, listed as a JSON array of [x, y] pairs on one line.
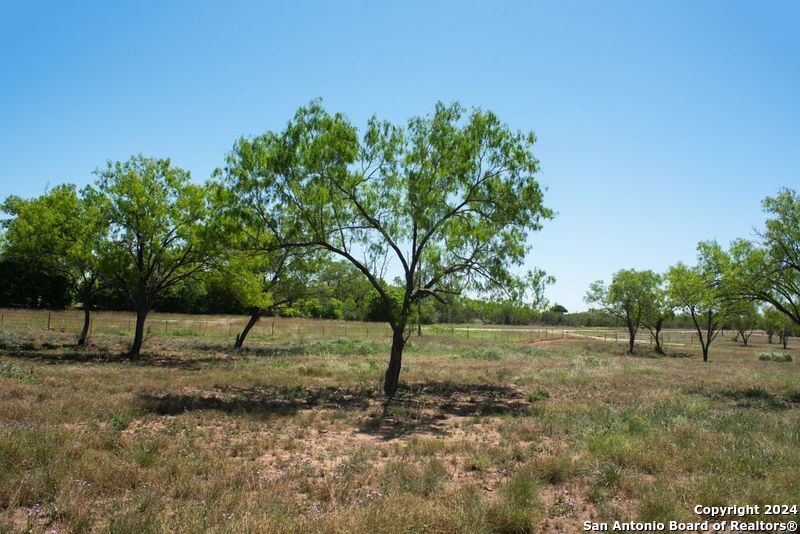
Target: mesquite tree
[[657, 311], [448, 201], [769, 270], [744, 319], [269, 282], [158, 231], [263, 278], [63, 231], [627, 297], [701, 292]]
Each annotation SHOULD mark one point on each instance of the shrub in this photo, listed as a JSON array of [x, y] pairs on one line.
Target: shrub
[[774, 357]]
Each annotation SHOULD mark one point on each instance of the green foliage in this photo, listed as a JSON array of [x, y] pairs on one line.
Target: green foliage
[[15, 372], [631, 296], [704, 291], [159, 236], [483, 353], [449, 186], [775, 357], [539, 395], [157, 229], [61, 232], [26, 283], [769, 270]]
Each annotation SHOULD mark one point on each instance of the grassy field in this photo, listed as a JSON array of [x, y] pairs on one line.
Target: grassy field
[[513, 433]]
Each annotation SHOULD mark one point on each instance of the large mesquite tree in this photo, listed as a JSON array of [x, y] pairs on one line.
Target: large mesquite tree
[[448, 201], [158, 232]]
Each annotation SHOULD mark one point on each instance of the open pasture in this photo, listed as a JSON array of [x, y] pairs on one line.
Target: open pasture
[[489, 433], [271, 329]]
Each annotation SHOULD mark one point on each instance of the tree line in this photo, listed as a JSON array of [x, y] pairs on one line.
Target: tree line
[[753, 284]]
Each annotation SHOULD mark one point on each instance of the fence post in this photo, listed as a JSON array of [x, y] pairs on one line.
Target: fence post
[[272, 332], [49, 315]]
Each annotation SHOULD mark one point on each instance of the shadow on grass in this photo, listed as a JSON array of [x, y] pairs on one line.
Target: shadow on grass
[[70, 354], [752, 397], [419, 407], [161, 353]]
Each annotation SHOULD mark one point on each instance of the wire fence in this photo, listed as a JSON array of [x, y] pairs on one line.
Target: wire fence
[[277, 328]]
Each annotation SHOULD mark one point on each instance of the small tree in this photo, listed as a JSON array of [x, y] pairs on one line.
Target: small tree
[[62, 230], [744, 319], [450, 199], [786, 329], [270, 282], [158, 231], [699, 291], [627, 297], [657, 311], [771, 322]]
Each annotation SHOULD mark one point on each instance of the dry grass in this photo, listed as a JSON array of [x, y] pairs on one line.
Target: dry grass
[[292, 435]]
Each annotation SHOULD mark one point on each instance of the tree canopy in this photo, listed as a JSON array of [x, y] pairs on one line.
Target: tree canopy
[[629, 297], [448, 199], [158, 231]]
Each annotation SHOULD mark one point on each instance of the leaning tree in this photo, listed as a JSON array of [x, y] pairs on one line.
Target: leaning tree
[[446, 201]]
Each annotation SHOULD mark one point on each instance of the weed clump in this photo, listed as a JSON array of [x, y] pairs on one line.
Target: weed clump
[[15, 372], [774, 357], [486, 353]]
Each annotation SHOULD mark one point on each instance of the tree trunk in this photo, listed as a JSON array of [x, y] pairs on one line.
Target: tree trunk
[[86, 320], [705, 353], [657, 339], [392, 378], [769, 337], [631, 338], [250, 324], [785, 341], [138, 337]]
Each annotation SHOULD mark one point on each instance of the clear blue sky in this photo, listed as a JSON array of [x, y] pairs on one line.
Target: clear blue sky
[[659, 123]]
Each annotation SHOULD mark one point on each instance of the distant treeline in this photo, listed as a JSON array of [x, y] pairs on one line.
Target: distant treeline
[[340, 295]]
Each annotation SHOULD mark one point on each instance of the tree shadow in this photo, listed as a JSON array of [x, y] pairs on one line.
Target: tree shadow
[[70, 354], [752, 397], [419, 408], [259, 402]]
